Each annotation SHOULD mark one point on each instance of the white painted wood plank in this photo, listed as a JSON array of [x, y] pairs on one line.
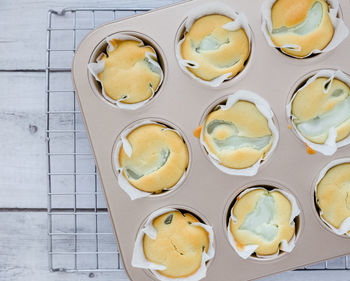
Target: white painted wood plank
[[23, 164], [23, 254], [23, 24], [23, 161], [22, 155]]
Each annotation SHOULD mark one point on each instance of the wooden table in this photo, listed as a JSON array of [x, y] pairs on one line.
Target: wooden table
[[23, 160]]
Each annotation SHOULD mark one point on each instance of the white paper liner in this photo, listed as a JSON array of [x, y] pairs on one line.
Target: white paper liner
[[330, 146], [340, 29], [139, 259], [97, 67], [132, 191], [286, 246], [345, 226], [264, 107], [240, 21]]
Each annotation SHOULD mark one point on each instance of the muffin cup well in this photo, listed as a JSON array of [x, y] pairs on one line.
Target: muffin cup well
[[240, 21], [139, 260], [97, 67], [345, 226], [264, 107], [132, 191], [330, 146], [249, 250], [340, 29]]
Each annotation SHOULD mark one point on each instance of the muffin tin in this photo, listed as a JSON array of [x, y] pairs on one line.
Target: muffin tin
[[182, 101]]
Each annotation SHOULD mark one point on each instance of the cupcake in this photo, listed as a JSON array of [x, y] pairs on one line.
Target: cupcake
[[262, 222], [321, 110], [153, 158], [301, 28], [216, 44], [216, 50], [129, 72], [174, 244], [239, 135], [303, 23], [333, 197]]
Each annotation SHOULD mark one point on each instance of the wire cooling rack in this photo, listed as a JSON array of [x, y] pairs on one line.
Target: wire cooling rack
[[80, 233]]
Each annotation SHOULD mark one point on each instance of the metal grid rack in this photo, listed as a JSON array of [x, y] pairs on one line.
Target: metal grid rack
[[80, 233]]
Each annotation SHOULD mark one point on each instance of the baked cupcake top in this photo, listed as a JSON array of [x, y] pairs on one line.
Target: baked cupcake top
[[158, 160], [131, 72], [179, 245], [238, 136], [304, 24], [215, 49], [333, 196], [262, 218], [320, 106]]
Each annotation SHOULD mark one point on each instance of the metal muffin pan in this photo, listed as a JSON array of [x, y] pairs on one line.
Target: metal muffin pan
[[183, 101]]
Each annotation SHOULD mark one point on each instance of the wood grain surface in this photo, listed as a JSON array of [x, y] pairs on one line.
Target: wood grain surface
[[23, 160]]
